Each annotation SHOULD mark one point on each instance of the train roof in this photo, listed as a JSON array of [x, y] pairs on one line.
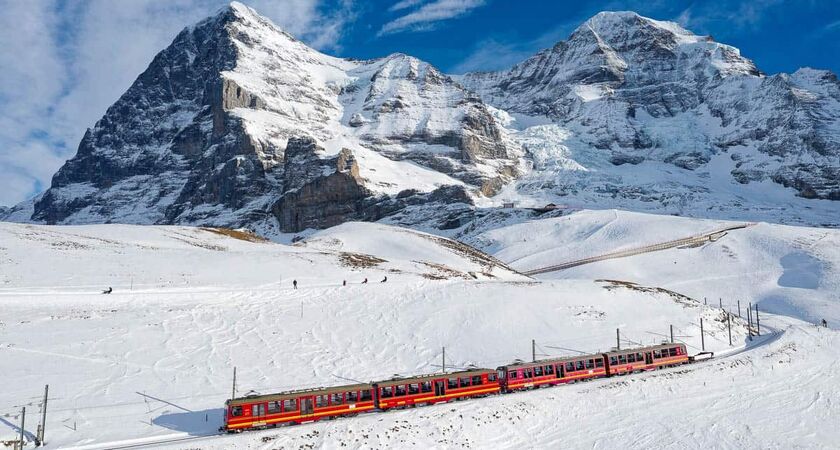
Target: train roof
[[648, 348], [552, 360], [297, 393], [432, 376]]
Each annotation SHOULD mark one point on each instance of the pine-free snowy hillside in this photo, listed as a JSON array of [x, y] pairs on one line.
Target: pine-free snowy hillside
[[794, 271], [238, 124], [153, 361]]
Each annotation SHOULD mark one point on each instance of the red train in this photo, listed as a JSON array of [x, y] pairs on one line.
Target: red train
[[309, 405]]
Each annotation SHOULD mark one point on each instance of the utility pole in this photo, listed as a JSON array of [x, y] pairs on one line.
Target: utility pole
[[443, 361], [739, 308], [233, 392], [702, 337], [617, 340], [22, 424], [43, 425], [729, 325], [672, 334], [533, 351], [757, 321]]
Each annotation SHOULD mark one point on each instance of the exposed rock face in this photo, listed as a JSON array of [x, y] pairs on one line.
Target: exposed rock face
[[238, 124], [643, 90]]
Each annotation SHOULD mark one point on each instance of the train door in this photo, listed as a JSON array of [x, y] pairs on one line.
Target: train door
[[559, 370], [306, 406], [258, 410], [648, 358], [440, 388]]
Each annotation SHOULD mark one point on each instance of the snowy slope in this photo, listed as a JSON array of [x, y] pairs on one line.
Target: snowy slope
[[793, 271], [154, 359]]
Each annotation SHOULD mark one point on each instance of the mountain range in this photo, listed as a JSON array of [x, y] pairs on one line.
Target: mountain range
[[238, 124]]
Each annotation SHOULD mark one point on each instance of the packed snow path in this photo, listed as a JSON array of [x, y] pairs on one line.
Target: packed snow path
[[700, 239]]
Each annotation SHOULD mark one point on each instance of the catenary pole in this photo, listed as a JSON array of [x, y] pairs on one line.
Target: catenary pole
[[617, 340], [702, 337]]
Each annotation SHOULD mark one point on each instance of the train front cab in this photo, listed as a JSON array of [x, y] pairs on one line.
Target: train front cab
[[297, 407]]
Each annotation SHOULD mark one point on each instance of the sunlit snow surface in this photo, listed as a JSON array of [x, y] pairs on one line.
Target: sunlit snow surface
[[155, 358]]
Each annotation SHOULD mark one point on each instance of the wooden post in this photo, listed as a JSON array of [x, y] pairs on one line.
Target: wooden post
[[617, 340], [702, 337], [749, 321], [757, 321], [739, 308], [704, 301], [720, 302]]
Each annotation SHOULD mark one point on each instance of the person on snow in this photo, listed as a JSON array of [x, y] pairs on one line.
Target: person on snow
[[108, 291], [294, 283], [824, 323], [364, 282], [344, 283], [384, 280]]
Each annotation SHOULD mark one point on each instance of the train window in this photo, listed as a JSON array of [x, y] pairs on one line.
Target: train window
[[321, 401], [400, 390], [570, 366], [476, 380], [613, 361], [590, 363], [352, 397], [452, 383], [538, 371], [258, 410], [529, 373], [273, 407], [413, 388], [290, 404], [426, 386], [679, 350], [579, 365], [657, 354], [672, 351], [337, 398], [366, 395], [236, 411], [465, 381], [640, 357], [599, 362], [549, 370], [631, 358], [622, 359], [387, 392], [512, 375], [491, 376]]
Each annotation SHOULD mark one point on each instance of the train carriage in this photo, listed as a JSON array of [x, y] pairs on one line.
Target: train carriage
[[621, 362], [297, 406], [435, 388], [551, 371]]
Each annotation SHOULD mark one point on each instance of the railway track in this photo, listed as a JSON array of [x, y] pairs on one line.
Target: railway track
[[710, 236]]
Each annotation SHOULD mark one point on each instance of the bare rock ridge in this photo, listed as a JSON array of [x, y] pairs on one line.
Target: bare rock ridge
[[238, 124]]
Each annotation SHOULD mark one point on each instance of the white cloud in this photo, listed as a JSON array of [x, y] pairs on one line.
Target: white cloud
[[404, 4], [430, 14], [64, 63]]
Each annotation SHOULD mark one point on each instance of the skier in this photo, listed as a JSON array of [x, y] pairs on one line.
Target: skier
[[364, 282], [344, 283], [108, 291], [384, 280], [294, 283], [824, 323]]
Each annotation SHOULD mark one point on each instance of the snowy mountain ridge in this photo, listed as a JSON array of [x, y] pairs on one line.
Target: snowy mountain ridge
[[238, 124]]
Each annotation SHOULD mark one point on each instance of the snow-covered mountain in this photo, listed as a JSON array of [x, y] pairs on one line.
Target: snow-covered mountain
[[236, 123]]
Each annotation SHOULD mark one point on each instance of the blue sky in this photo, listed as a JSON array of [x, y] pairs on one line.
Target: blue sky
[[65, 61]]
